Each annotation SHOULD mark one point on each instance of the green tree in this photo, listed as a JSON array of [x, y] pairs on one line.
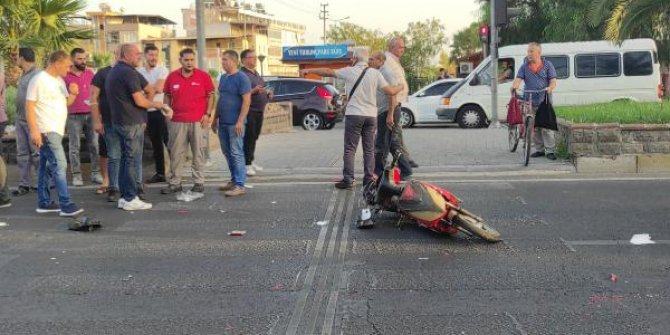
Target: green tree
[[632, 19], [444, 61], [423, 41], [465, 42], [342, 32], [42, 24]]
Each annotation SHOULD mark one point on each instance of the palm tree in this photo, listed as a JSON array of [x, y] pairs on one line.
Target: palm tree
[[635, 18], [639, 18], [42, 24]]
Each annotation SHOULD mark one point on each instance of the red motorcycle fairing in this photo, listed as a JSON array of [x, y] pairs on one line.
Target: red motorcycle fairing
[[426, 204]]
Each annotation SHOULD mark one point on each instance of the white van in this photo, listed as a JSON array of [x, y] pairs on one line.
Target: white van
[[588, 72]]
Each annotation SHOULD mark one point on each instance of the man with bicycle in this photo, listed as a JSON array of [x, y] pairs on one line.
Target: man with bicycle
[[538, 74]]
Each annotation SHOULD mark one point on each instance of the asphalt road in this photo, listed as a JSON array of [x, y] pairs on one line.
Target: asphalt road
[[565, 266]]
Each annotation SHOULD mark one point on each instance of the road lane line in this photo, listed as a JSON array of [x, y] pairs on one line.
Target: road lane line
[[516, 324], [568, 245], [327, 328], [326, 267], [299, 308]]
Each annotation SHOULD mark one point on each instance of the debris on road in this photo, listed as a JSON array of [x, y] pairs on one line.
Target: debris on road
[[3, 224], [322, 223], [641, 239], [237, 233], [182, 212], [614, 278]]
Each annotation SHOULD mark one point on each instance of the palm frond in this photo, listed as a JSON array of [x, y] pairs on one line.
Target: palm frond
[[599, 11]]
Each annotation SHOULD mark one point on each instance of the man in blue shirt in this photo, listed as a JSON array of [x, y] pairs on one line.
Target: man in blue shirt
[[538, 74], [231, 113]]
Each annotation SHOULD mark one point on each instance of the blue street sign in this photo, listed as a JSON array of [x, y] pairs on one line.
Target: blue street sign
[[315, 52]]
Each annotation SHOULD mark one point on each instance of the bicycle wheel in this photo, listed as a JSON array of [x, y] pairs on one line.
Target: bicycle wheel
[[513, 134], [528, 125]]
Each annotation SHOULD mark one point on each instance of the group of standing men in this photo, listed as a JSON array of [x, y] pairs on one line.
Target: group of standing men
[[119, 103], [377, 88]]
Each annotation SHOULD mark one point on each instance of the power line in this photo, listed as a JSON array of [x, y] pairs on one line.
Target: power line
[[295, 7]]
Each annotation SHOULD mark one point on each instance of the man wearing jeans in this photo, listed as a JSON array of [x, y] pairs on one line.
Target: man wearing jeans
[[128, 108], [27, 155], [46, 106], [79, 119], [388, 140], [361, 113], [231, 112]]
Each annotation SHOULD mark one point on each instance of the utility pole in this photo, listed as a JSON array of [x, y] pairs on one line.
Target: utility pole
[[494, 66], [200, 31], [323, 15]]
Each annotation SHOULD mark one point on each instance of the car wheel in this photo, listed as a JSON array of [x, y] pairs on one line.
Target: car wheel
[[312, 120], [471, 117], [406, 118]]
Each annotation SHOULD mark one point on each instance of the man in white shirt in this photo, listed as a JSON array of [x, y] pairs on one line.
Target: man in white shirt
[[46, 112], [361, 112], [395, 74], [155, 74]]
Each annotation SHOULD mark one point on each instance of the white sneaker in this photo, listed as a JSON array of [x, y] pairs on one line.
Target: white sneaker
[[76, 180], [250, 171], [96, 178], [136, 205], [122, 202], [257, 167]]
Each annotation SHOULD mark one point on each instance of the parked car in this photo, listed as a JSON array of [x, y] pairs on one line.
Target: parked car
[[421, 106], [316, 104]]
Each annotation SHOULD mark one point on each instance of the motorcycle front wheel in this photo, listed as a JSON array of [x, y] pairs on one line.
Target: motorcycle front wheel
[[477, 227]]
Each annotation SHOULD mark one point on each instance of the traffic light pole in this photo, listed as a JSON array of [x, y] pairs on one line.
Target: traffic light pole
[[494, 66]]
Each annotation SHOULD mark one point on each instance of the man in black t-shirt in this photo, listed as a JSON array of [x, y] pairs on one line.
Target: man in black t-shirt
[[259, 98], [109, 142], [128, 106]]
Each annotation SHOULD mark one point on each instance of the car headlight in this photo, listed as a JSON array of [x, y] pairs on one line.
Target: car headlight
[[446, 101]]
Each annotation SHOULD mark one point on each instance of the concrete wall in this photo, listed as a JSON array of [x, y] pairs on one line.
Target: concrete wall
[[617, 148]]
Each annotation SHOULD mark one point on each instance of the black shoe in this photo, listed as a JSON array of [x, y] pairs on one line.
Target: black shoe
[[537, 154], [198, 188], [112, 195], [5, 203], [157, 178], [22, 190], [171, 189], [551, 156], [141, 194], [413, 164], [343, 185]]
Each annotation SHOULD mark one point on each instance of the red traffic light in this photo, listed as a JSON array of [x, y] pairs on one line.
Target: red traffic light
[[484, 31]]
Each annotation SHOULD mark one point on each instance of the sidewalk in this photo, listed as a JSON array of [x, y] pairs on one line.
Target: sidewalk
[[317, 156], [437, 150]]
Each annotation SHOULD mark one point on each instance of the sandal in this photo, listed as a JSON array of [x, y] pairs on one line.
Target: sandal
[[102, 190]]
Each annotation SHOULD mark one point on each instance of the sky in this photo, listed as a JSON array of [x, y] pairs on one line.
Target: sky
[[387, 16]]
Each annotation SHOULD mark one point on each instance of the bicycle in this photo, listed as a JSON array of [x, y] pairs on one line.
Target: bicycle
[[526, 129]]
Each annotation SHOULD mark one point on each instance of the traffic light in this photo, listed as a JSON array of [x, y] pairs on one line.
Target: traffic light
[[484, 33], [501, 12]]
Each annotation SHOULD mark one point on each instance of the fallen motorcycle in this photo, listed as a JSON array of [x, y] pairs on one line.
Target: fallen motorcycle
[[430, 206]]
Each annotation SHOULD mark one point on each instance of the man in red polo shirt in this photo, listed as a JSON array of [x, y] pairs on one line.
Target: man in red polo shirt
[[190, 93], [79, 118]]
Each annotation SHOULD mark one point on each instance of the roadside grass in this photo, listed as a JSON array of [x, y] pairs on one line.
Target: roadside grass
[[624, 112]]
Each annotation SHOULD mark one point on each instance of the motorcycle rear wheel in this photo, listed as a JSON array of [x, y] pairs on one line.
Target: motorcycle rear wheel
[[477, 227]]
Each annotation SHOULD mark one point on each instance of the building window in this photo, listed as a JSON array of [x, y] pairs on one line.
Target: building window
[[129, 37], [113, 37], [274, 34]]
